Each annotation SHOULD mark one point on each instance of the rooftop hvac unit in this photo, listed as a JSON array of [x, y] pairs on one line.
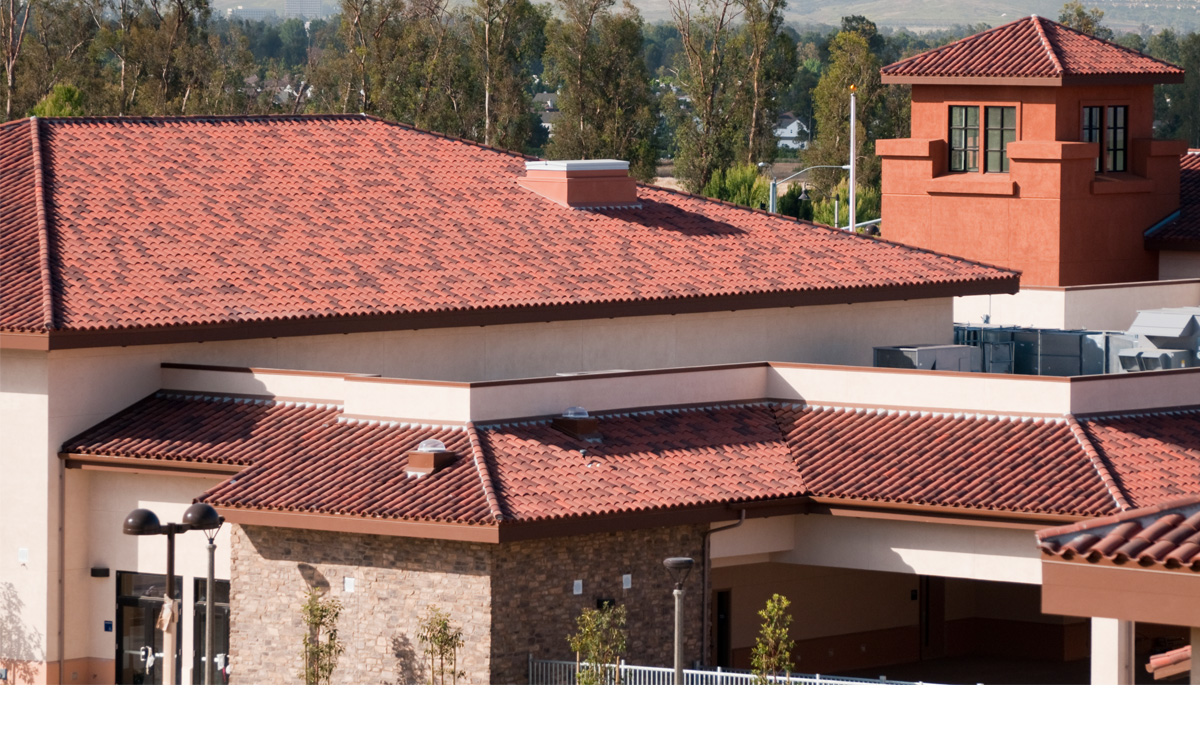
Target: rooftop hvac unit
[[1138, 360], [961, 358]]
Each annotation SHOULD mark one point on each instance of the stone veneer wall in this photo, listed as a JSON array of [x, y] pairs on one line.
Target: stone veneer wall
[[534, 608], [512, 599], [395, 579]]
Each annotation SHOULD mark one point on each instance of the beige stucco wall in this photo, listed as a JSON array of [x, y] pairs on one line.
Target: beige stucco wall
[[28, 496], [906, 547], [97, 503], [1112, 307]]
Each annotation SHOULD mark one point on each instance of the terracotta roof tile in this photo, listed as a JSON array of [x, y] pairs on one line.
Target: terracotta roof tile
[[1154, 457], [212, 221], [301, 457], [1183, 232], [1164, 536], [987, 462], [23, 276], [1170, 663], [1031, 47], [307, 458]]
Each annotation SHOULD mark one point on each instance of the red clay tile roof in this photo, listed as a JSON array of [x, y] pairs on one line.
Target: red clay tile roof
[[1030, 48], [1183, 232], [308, 458], [1164, 536], [1154, 457], [1170, 663], [301, 457], [647, 461], [193, 222], [1000, 463]]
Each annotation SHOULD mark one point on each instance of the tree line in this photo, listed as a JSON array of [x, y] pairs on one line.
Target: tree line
[[705, 89]]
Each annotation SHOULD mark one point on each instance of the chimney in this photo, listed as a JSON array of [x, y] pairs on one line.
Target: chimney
[[575, 422], [430, 456], [598, 184]]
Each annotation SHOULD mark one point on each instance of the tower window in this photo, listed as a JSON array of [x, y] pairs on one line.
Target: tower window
[[1001, 130], [964, 138], [1115, 145], [1091, 128]]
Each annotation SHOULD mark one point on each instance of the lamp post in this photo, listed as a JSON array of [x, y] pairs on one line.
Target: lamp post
[[204, 517], [143, 522], [776, 182], [678, 567]]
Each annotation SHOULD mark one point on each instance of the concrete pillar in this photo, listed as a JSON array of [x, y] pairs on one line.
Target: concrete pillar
[[1112, 651], [1196, 656]]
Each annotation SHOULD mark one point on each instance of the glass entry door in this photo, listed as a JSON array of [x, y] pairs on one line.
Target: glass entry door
[[139, 641]]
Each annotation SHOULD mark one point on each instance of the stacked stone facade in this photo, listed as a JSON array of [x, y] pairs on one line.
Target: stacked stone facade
[[395, 580], [512, 600], [534, 606]]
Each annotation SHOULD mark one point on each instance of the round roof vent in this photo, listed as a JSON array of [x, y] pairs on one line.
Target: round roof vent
[[431, 445]]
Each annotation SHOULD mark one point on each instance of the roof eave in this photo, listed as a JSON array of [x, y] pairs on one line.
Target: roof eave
[[1068, 80], [313, 326]]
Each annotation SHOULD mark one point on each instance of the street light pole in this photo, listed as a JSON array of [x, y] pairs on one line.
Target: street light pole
[[204, 517], [853, 156], [169, 631], [678, 567], [776, 182]]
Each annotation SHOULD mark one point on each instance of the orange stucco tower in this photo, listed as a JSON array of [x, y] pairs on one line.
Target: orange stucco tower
[[1033, 148]]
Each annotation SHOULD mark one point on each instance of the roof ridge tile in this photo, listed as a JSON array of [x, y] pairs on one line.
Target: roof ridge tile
[[1120, 498], [1051, 52], [39, 194]]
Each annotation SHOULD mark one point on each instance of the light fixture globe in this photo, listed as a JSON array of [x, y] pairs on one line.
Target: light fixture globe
[[679, 567], [142, 522], [202, 517]]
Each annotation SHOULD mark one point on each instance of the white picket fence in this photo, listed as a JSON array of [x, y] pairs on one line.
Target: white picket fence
[[563, 672]]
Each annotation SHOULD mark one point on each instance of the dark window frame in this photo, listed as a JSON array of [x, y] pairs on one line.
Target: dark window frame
[[964, 157], [1005, 133], [1116, 139], [1092, 127]]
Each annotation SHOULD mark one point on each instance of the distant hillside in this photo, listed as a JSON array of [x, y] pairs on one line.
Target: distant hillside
[[916, 15], [1182, 15]]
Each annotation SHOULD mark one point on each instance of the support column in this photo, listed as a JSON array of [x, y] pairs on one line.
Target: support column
[[1196, 656], [1112, 651]]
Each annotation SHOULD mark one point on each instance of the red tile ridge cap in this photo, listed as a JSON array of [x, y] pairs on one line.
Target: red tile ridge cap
[[1114, 490], [485, 477], [39, 199], [1041, 32]]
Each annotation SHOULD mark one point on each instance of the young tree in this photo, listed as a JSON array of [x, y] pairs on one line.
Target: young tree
[[14, 21], [594, 58], [771, 63], [772, 655], [509, 35], [1075, 15], [599, 642], [851, 64], [321, 645], [440, 641], [705, 129]]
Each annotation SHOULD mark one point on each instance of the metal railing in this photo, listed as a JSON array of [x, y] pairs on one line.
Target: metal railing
[[544, 673]]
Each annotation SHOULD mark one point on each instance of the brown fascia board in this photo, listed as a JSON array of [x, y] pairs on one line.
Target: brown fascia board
[[24, 341], [360, 525], [311, 326], [1074, 80], [1125, 593], [149, 466], [823, 505]]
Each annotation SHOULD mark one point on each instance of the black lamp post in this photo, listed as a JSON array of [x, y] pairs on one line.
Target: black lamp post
[[678, 567], [143, 522]]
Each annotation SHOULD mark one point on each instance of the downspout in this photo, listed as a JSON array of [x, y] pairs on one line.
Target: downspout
[[705, 601], [62, 564]]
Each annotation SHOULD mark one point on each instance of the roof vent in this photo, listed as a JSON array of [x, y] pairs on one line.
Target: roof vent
[[598, 184], [430, 456], [576, 422]]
